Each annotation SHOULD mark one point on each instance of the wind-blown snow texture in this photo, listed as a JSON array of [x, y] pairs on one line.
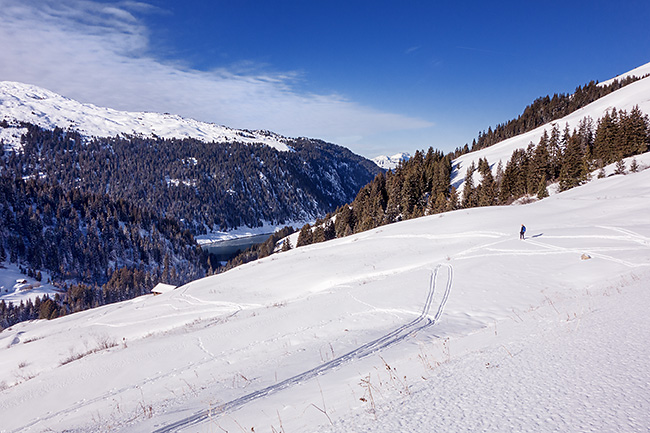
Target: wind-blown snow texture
[[530, 337], [28, 103]]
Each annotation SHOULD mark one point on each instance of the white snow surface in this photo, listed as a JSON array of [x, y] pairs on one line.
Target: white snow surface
[[29, 103], [526, 336], [391, 162], [636, 72], [626, 98]]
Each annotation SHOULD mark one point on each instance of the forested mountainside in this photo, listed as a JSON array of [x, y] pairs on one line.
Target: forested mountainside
[[422, 185], [548, 108], [204, 185], [98, 249], [109, 218]]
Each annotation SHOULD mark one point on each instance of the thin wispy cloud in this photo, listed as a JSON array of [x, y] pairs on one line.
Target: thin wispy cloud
[[99, 52]]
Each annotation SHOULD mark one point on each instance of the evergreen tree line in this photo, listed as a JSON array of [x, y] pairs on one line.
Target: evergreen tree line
[[546, 109], [421, 185], [114, 247], [45, 308], [568, 157], [203, 185]]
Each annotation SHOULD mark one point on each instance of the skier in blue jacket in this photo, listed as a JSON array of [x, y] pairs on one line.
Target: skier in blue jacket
[[522, 232]]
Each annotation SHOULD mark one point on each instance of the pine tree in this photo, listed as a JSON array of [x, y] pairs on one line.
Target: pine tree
[[620, 167], [453, 202], [439, 205], [539, 168], [573, 171], [345, 223], [329, 230], [499, 174], [605, 138], [542, 191], [469, 192], [305, 237], [487, 193], [554, 152], [411, 190], [507, 188], [394, 183], [637, 126], [319, 234]]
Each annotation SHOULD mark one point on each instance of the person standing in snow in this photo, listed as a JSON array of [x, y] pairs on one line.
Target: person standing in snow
[[522, 232]]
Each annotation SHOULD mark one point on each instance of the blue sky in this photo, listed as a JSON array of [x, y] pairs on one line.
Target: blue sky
[[379, 77]]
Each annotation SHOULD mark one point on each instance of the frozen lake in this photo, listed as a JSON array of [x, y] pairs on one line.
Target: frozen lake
[[229, 248]]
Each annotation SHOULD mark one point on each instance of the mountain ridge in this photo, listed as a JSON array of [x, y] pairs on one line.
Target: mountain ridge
[[32, 104]]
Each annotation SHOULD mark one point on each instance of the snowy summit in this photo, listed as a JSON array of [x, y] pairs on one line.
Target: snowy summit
[[391, 162], [28, 103]]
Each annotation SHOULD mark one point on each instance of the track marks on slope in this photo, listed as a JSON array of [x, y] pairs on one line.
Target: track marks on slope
[[629, 241], [425, 319]]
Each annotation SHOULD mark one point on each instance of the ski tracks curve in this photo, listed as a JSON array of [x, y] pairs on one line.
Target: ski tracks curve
[[424, 320]]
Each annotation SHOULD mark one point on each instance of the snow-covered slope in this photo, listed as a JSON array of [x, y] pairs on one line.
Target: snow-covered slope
[[391, 162], [636, 72], [637, 93], [28, 103], [442, 323]]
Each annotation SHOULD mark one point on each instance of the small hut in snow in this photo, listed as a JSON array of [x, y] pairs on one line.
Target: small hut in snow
[[162, 288]]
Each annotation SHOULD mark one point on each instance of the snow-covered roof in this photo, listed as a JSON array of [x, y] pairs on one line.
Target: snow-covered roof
[[162, 288]]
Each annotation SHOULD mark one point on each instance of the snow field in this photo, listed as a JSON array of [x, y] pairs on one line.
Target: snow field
[[577, 364], [154, 361]]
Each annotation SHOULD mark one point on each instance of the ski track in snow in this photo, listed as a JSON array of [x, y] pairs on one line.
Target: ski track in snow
[[422, 321], [562, 250], [587, 373]]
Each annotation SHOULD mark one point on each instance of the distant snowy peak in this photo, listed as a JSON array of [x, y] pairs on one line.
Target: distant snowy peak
[[28, 103], [391, 162]]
